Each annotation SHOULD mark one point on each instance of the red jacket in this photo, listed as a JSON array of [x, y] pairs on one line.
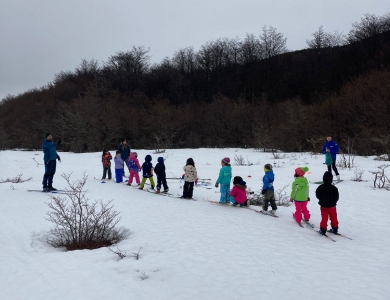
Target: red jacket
[[106, 160], [239, 193]]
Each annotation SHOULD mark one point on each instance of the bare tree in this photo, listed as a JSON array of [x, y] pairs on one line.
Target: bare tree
[[322, 39], [368, 26], [272, 42]]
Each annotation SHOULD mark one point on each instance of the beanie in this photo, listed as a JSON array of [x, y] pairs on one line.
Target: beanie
[[301, 171], [47, 134], [237, 179], [160, 159], [226, 160], [267, 167]]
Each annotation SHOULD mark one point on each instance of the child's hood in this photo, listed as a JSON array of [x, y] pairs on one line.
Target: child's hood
[[160, 160], [132, 156], [327, 178], [148, 158]]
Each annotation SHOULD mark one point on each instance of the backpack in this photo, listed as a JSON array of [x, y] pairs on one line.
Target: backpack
[[131, 164]]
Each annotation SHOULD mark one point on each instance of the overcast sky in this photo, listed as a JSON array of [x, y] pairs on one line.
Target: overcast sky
[[40, 38]]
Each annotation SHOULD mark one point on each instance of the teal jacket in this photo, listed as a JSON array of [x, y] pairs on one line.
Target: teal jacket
[[49, 151], [300, 189], [225, 175]]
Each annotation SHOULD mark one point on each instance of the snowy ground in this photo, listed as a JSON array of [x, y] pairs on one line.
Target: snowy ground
[[192, 249]]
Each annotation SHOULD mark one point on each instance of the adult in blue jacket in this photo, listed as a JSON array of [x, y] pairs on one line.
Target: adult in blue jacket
[[49, 159], [124, 148], [331, 147]]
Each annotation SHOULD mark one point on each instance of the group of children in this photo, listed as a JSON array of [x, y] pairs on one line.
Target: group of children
[[326, 193]]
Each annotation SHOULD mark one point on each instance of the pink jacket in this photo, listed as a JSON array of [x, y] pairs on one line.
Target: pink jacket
[[239, 193]]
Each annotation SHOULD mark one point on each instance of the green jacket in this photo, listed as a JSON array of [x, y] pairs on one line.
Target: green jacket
[[225, 175], [300, 189]]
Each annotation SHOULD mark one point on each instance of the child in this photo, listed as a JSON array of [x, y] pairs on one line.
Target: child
[[328, 195], [161, 176], [190, 176], [106, 160], [225, 175], [300, 194], [238, 193], [268, 189], [147, 172], [134, 168], [118, 167]]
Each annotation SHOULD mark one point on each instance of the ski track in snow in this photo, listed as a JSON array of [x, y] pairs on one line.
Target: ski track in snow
[[192, 249]]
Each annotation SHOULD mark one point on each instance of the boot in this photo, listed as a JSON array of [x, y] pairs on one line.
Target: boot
[[322, 231], [334, 230], [158, 191]]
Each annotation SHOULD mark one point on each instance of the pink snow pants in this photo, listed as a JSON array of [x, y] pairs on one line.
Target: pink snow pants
[[301, 208], [134, 173]]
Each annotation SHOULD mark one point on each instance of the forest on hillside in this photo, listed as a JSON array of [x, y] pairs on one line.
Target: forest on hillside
[[231, 93]]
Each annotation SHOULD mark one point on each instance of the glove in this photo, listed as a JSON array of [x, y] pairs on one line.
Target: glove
[[291, 200], [59, 142], [216, 185], [263, 192], [196, 182], [308, 199]]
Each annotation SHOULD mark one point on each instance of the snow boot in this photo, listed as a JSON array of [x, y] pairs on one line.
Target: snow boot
[[322, 231], [334, 230]]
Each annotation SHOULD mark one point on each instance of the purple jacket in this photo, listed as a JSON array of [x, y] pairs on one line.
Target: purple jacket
[[118, 162]]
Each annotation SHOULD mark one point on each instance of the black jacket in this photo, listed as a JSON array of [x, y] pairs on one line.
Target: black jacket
[[327, 193], [159, 169]]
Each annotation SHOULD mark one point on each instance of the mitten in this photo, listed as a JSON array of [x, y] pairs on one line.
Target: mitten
[[59, 142], [291, 200], [308, 198], [263, 192], [216, 185], [196, 182]]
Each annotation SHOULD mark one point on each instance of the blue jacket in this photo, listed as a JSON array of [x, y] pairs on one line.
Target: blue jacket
[[125, 153], [225, 175], [333, 147], [147, 167], [268, 180], [49, 151]]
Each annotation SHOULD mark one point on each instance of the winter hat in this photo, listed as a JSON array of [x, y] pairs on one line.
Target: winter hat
[[160, 159], [301, 171], [135, 154], [148, 158], [237, 179], [267, 167], [328, 177], [226, 160], [47, 134], [242, 182]]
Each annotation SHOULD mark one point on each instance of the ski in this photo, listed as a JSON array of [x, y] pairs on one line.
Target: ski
[[319, 232], [160, 194], [300, 224], [340, 235], [178, 196], [309, 224], [265, 213], [49, 192]]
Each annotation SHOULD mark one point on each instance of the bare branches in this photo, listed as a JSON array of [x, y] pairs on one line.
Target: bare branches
[[381, 180], [17, 179], [79, 224]]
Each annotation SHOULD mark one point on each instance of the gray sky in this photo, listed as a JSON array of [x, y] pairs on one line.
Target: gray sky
[[40, 38]]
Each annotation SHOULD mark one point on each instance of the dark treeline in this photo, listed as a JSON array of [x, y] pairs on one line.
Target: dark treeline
[[230, 93]]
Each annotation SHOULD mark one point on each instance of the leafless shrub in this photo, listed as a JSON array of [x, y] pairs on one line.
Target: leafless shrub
[[143, 276], [358, 175], [136, 254], [37, 162], [346, 162], [380, 178], [118, 252], [281, 197], [17, 179], [79, 224], [239, 160], [383, 157]]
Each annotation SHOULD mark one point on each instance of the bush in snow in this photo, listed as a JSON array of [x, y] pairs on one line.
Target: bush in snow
[[281, 197], [81, 224], [381, 181]]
